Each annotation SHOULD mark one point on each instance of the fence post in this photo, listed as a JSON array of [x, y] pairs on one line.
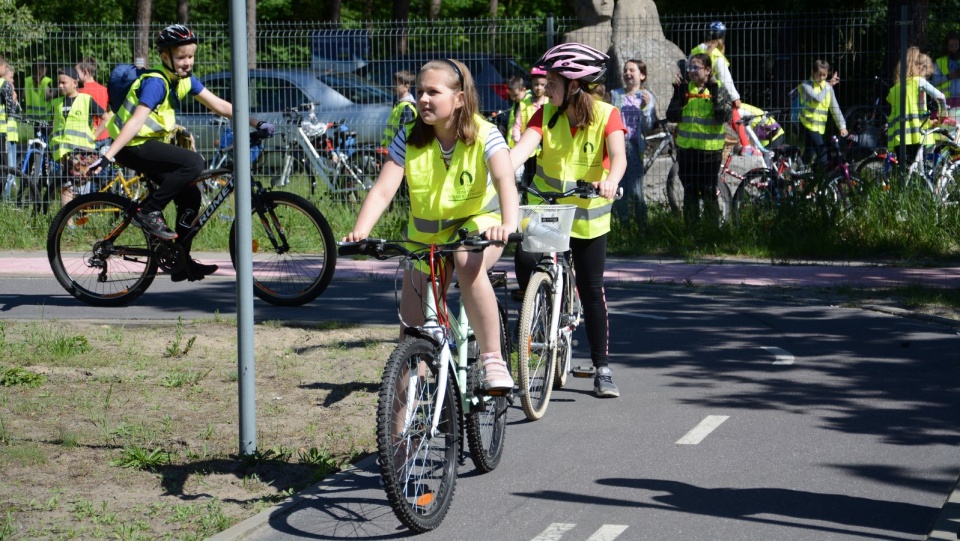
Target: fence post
[[903, 86], [551, 30]]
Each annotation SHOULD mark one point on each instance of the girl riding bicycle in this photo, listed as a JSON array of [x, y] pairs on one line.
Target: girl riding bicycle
[[142, 123], [583, 138], [449, 155]]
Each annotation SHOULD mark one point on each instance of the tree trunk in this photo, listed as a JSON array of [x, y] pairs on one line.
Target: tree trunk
[[251, 34], [331, 11], [401, 13], [141, 44], [434, 10], [183, 11]]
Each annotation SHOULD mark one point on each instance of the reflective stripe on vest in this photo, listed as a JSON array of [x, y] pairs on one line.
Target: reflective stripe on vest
[[913, 122], [813, 114], [162, 119], [567, 158], [442, 199], [698, 128], [75, 132], [393, 123], [35, 98]]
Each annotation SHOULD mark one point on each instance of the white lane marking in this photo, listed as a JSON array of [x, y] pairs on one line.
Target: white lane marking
[[607, 532], [634, 314], [702, 430], [781, 356], [554, 532]]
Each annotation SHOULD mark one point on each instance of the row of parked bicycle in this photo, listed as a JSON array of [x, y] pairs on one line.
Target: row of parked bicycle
[[311, 157], [852, 167]]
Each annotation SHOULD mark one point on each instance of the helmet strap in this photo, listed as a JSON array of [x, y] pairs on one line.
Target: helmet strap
[[563, 106]]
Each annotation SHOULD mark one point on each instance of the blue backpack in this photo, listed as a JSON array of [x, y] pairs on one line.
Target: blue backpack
[[121, 79]]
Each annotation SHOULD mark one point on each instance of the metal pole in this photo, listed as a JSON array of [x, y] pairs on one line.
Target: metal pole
[[903, 87], [551, 31], [241, 170]]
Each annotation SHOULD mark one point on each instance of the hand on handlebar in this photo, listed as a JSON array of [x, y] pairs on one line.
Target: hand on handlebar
[[499, 233], [265, 129], [97, 165], [607, 189], [355, 236]]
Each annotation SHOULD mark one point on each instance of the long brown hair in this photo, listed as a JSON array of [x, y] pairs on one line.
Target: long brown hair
[[459, 79]]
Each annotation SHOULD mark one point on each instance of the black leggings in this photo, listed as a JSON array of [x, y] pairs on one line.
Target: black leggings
[[173, 169], [589, 260]]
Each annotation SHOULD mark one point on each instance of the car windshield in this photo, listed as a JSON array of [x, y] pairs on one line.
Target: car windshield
[[357, 89]]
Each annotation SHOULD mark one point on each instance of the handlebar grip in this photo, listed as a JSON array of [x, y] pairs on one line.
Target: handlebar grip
[[515, 237], [366, 246]]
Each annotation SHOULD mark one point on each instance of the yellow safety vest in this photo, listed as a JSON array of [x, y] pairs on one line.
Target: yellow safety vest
[[162, 119], [75, 132], [944, 64], [393, 123], [35, 98], [526, 102], [813, 114], [912, 114], [775, 131], [697, 128], [443, 200], [567, 158]]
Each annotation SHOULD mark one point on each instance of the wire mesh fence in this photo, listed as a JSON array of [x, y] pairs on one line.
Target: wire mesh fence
[[348, 68]]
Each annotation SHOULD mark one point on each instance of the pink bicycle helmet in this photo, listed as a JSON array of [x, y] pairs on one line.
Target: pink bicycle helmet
[[575, 61], [537, 71]]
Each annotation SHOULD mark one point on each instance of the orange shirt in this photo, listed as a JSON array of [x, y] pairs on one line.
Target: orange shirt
[[99, 94]]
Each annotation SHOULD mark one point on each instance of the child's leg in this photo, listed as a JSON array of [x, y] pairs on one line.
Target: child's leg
[[480, 302]]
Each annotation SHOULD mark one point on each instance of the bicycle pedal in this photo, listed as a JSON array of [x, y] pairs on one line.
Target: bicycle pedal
[[584, 372]]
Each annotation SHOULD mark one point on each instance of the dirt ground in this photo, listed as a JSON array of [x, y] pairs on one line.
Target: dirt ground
[[132, 430]]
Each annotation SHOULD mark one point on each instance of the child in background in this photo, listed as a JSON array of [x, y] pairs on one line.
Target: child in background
[[638, 110], [917, 88], [816, 100], [74, 116], [582, 138], [446, 156], [404, 109]]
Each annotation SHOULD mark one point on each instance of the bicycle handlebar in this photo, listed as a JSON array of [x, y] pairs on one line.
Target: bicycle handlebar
[[584, 189], [382, 249]]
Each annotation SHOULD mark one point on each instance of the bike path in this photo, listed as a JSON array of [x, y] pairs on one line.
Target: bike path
[[718, 271]]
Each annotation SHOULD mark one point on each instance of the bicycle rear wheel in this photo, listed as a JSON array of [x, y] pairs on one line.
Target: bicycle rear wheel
[[535, 356], [97, 271], [759, 194], [294, 255], [419, 470], [487, 419]]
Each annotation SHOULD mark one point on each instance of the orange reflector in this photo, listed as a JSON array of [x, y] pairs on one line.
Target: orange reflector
[[81, 221], [425, 500], [256, 246]]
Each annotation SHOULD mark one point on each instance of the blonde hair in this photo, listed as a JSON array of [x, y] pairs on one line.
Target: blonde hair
[[913, 65], [459, 79]]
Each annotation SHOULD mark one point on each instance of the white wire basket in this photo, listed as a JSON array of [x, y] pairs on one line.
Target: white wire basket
[[546, 228]]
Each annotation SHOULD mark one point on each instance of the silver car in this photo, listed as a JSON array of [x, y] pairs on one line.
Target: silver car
[[363, 106]]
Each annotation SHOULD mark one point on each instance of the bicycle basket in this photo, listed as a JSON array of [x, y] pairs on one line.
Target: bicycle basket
[[546, 228]]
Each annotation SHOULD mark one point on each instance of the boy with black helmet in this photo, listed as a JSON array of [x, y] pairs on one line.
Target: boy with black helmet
[[142, 124]]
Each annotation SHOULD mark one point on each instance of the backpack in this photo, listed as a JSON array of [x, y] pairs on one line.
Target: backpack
[[121, 79]]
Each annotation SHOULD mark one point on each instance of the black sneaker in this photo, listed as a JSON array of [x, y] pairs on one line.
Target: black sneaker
[[194, 271], [603, 385], [153, 224]]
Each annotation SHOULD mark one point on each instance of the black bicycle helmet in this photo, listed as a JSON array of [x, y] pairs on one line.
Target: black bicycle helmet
[[175, 35]]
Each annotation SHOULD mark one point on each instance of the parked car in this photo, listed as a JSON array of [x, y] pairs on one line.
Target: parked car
[[363, 106], [490, 72]]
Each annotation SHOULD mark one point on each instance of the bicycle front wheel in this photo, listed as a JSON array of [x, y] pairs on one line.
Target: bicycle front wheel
[[418, 468], [758, 194], [487, 419], [95, 270], [535, 356], [294, 256]]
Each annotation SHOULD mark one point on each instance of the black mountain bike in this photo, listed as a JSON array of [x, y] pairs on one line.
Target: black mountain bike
[[101, 259]]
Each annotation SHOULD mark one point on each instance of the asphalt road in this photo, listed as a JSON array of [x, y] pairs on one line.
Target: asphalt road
[[739, 418]]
